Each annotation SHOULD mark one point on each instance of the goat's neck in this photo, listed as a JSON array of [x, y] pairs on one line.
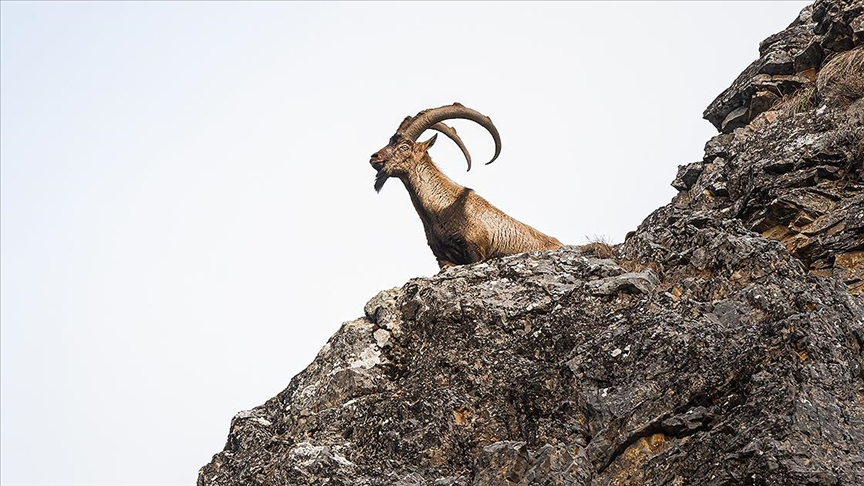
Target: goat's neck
[[431, 191]]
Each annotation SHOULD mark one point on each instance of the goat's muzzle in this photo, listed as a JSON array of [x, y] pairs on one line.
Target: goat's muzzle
[[376, 162]]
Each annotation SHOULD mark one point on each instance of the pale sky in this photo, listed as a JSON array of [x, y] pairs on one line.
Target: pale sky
[[187, 203]]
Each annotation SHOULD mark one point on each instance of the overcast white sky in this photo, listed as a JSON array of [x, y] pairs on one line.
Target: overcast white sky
[[187, 203]]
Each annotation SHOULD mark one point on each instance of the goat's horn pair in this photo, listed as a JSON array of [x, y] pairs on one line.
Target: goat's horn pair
[[412, 128]]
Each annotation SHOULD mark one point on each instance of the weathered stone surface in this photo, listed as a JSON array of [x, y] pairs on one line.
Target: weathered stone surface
[[687, 176], [763, 101], [736, 118], [736, 364], [796, 177], [721, 343]]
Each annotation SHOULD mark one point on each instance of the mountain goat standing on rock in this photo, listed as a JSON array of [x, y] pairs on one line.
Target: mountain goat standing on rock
[[461, 227]]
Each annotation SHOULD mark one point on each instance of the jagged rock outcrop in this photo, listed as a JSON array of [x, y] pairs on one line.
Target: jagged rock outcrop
[[721, 343], [788, 62], [789, 165]]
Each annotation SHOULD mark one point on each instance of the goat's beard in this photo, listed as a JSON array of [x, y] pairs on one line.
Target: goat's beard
[[380, 178]]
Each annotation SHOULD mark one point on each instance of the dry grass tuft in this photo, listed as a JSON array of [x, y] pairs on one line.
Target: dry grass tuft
[[598, 247], [841, 79], [597, 250], [798, 102]]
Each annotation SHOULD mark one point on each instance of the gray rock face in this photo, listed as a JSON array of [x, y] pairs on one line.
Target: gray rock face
[[791, 170], [721, 343]]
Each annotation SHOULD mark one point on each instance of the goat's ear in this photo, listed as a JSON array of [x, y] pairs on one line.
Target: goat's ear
[[430, 142]]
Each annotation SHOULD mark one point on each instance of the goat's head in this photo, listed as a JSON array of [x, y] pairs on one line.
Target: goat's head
[[404, 151]]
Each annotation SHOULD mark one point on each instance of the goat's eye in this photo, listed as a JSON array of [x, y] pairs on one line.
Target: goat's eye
[[403, 147]]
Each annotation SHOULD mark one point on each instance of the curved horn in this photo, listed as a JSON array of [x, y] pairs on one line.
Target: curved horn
[[451, 134], [440, 127], [426, 119], [404, 125]]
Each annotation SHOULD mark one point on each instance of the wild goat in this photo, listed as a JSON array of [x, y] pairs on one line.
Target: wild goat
[[461, 227]]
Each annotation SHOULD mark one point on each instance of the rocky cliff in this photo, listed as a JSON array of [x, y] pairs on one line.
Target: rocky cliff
[[721, 343]]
